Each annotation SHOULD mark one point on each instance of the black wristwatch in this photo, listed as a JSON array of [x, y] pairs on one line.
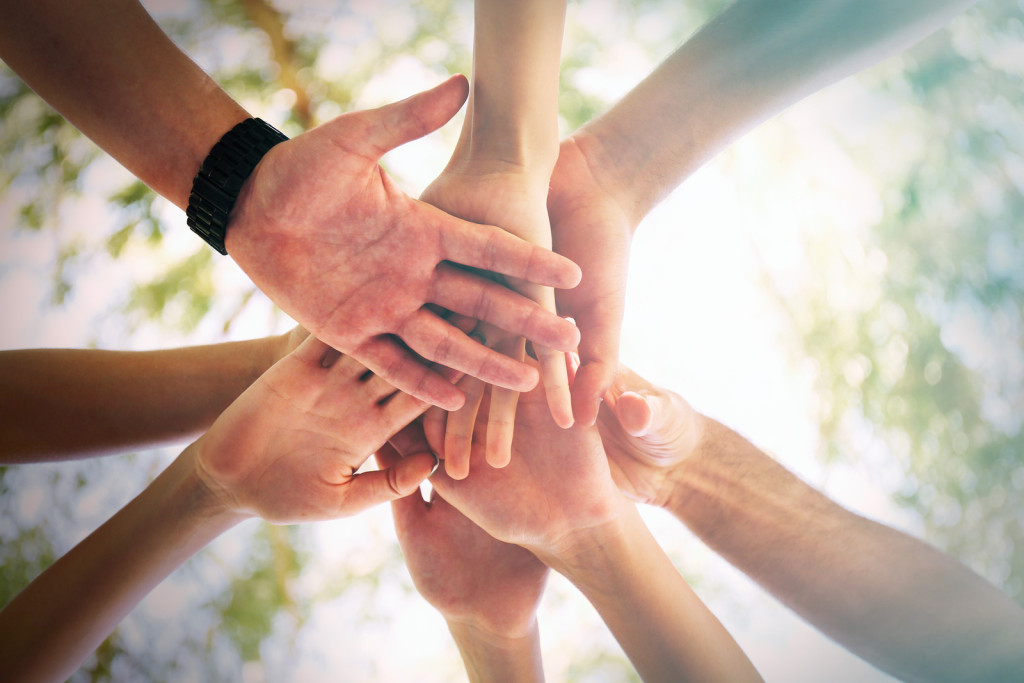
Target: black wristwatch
[[222, 174]]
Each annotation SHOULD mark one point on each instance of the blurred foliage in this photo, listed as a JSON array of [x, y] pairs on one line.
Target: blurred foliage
[[890, 366]]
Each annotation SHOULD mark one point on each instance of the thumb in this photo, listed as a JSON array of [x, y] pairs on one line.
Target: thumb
[[641, 408], [401, 122], [381, 486]]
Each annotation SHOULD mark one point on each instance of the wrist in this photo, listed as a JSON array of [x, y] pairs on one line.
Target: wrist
[[585, 552], [210, 500], [500, 140], [620, 174], [489, 656]]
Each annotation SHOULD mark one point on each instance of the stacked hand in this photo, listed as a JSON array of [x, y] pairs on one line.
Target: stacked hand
[[510, 196], [288, 448], [327, 235]]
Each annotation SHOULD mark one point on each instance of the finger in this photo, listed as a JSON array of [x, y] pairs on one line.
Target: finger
[[599, 359], [634, 413], [434, 425], [367, 489], [436, 340], [493, 249], [556, 385], [472, 295], [409, 440], [401, 122], [399, 368], [406, 507], [501, 414], [458, 437]]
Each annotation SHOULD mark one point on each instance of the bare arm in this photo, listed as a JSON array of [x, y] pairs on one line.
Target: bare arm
[[110, 70], [887, 597], [65, 403], [286, 450], [752, 61], [749, 63]]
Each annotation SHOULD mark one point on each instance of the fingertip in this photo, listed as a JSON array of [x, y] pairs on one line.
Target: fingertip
[[456, 470], [412, 471], [635, 413]]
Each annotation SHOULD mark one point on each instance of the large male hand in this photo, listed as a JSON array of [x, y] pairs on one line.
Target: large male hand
[[324, 232], [647, 433], [590, 226]]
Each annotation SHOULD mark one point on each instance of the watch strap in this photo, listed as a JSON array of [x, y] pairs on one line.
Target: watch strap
[[228, 165]]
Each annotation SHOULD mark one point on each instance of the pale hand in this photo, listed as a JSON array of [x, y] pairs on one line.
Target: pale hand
[[515, 199], [589, 226], [324, 232], [288, 448], [647, 432]]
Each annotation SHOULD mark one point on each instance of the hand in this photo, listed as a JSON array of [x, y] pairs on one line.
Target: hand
[[467, 575], [288, 448], [557, 484], [323, 231], [510, 196], [647, 432], [589, 226]]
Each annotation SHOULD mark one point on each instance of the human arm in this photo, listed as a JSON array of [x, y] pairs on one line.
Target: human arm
[[108, 401], [487, 591], [498, 174], [557, 499], [286, 450], [750, 62], [887, 597], [317, 214]]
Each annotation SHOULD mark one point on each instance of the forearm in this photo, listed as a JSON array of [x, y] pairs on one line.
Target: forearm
[[889, 598], [512, 115], [105, 401], [62, 616], [752, 61], [664, 628], [488, 657], [110, 70]]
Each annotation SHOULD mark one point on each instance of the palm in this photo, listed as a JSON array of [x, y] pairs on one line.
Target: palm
[[326, 234], [288, 448], [558, 481], [590, 228]]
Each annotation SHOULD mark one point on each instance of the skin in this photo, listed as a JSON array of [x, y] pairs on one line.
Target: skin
[[286, 450], [753, 60], [499, 174], [375, 256], [487, 591], [889, 598], [111, 401], [557, 499]]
